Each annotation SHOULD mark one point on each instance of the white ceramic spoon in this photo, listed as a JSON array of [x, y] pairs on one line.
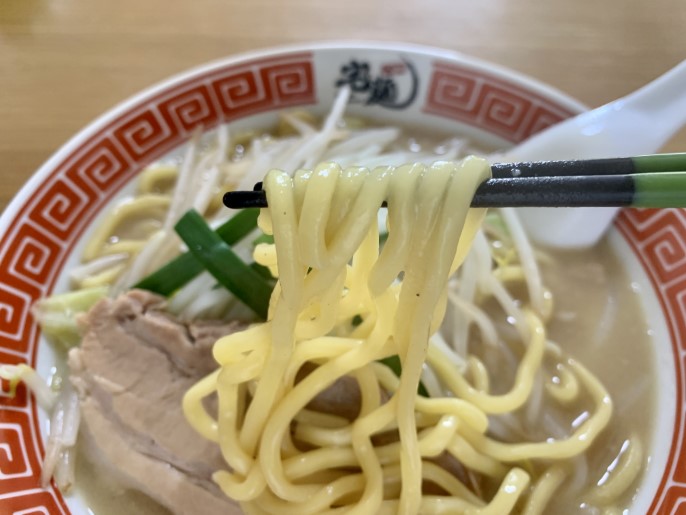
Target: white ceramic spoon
[[639, 123]]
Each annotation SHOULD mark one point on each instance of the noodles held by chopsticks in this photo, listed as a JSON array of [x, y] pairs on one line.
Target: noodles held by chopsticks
[[282, 457], [510, 422]]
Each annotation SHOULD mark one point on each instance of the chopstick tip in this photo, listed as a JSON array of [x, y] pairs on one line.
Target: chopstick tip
[[244, 199]]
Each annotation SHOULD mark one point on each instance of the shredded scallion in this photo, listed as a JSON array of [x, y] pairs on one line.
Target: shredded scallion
[[217, 257], [185, 267]]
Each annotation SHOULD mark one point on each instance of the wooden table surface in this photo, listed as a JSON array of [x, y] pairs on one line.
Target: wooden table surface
[[64, 62]]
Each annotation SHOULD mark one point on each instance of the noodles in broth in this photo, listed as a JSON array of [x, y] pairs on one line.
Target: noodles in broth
[[415, 374], [283, 457]]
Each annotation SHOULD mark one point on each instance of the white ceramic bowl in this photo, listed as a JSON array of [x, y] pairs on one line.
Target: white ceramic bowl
[[41, 229]]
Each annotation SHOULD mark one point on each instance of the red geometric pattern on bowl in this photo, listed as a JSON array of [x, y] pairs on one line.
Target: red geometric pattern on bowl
[[47, 227], [51, 220], [485, 101], [658, 238]]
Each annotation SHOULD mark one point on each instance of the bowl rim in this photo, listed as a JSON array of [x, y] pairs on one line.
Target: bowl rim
[[99, 122]]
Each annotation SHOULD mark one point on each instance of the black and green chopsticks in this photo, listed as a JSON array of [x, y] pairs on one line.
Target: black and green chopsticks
[[656, 181]]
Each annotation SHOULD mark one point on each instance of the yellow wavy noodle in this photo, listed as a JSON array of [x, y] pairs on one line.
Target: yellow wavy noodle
[[127, 216], [282, 456], [129, 225], [625, 470], [158, 179], [566, 389], [104, 278], [543, 490], [479, 374]]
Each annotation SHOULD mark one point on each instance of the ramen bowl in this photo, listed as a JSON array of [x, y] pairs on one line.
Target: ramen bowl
[[42, 230]]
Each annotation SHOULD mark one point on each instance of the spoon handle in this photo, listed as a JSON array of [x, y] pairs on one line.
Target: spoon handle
[[664, 98], [640, 123]]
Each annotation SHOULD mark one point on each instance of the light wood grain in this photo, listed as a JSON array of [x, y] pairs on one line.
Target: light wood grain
[[64, 62]]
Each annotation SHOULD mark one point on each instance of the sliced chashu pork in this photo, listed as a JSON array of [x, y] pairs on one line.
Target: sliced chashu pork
[[131, 371]]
